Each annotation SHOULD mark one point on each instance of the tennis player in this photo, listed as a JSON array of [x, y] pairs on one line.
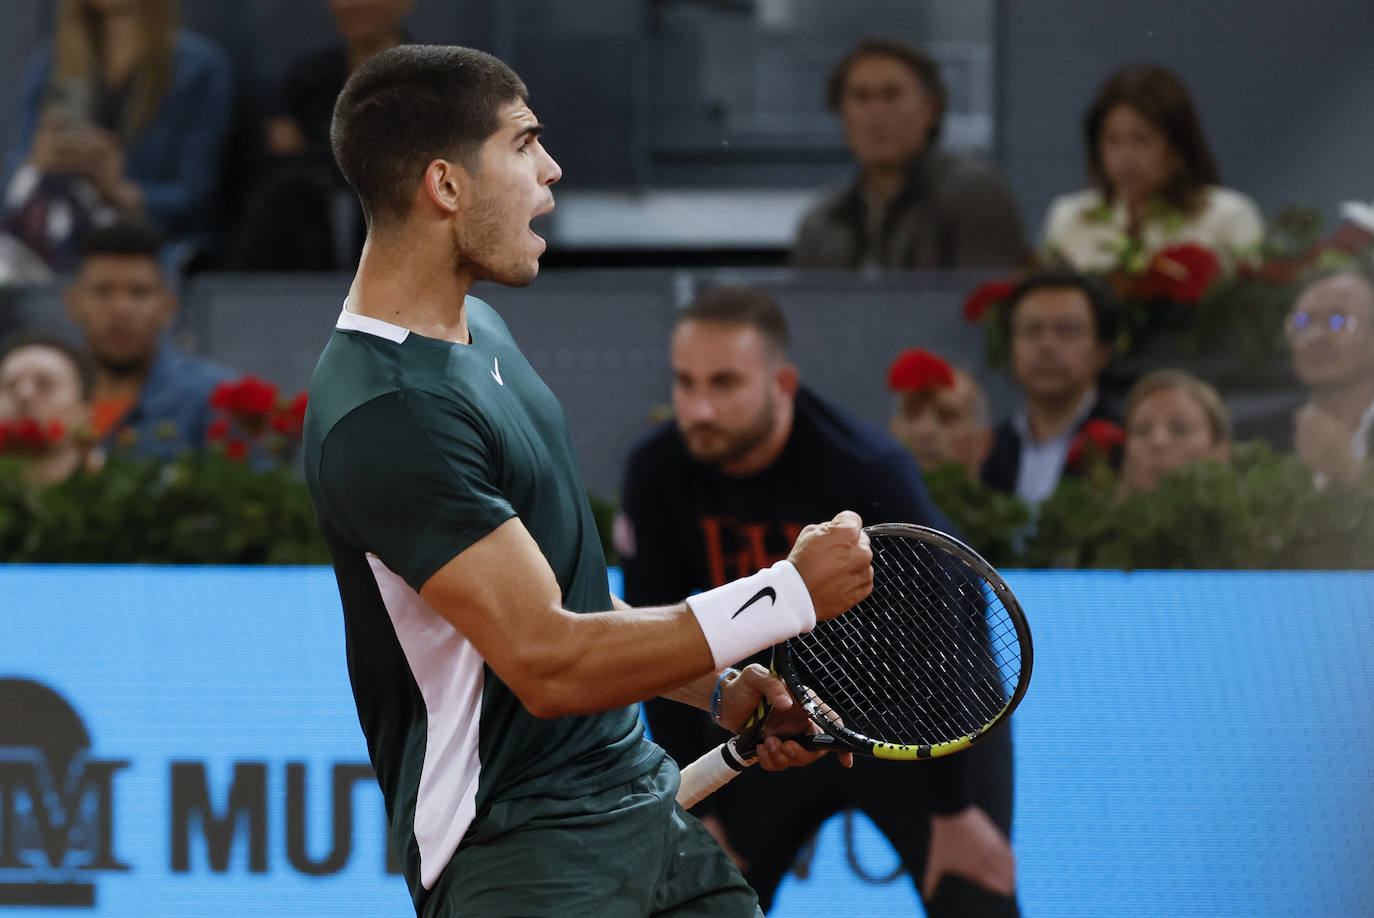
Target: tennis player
[[494, 681]]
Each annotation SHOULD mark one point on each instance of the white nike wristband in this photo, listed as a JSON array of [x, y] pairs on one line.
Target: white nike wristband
[[751, 614]]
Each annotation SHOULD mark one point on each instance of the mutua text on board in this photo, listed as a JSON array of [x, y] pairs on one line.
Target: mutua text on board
[[58, 806]]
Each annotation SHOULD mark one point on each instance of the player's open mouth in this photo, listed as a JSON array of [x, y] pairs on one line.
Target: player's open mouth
[[536, 216]]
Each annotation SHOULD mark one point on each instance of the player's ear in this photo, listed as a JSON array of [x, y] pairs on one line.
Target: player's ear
[[788, 379], [445, 185]]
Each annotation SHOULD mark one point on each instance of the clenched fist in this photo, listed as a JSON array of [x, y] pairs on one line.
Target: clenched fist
[[835, 563]]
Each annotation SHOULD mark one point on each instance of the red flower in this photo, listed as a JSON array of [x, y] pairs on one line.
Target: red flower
[[985, 296], [26, 435], [246, 397], [218, 430], [1097, 439], [256, 396], [236, 450], [223, 396], [916, 369], [1180, 273]]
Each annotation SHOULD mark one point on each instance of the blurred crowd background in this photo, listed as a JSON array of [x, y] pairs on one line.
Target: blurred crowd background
[[1110, 240]]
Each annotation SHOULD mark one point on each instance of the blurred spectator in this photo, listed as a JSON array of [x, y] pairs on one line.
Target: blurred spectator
[[1060, 326], [303, 217], [45, 395], [722, 492], [122, 115], [1154, 182], [941, 413], [913, 205], [1173, 419], [1331, 330], [150, 399]]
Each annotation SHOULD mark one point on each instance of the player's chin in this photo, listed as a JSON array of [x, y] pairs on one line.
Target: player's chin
[[704, 451], [520, 273], [529, 268]]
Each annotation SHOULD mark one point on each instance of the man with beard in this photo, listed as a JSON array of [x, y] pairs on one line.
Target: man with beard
[[1062, 327], [150, 399], [720, 493]]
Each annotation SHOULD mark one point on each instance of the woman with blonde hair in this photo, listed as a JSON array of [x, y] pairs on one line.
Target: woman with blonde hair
[[1173, 419], [122, 115]]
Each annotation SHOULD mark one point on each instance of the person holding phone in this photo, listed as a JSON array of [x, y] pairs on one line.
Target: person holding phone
[[123, 114]]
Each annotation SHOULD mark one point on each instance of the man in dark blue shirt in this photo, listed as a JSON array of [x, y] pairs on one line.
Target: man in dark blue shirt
[[723, 492]]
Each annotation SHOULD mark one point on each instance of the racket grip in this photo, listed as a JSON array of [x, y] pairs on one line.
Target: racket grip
[[710, 773]]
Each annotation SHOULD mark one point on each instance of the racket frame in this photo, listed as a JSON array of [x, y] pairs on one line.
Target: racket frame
[[835, 735], [722, 764]]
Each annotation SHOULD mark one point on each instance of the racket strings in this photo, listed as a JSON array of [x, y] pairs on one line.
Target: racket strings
[[932, 655]]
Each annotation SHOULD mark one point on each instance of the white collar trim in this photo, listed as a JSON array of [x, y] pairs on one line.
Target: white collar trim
[[352, 321]]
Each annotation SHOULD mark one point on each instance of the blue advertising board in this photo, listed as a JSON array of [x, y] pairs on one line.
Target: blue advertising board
[[182, 741]]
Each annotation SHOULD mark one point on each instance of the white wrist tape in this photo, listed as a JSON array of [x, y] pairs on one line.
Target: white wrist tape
[[745, 616]]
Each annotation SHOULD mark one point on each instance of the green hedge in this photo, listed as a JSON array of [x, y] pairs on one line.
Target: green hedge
[[1259, 512], [201, 509]]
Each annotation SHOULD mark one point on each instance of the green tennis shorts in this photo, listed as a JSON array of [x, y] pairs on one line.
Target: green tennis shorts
[[626, 852]]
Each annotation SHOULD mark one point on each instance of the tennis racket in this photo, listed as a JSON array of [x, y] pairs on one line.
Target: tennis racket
[[938, 655]]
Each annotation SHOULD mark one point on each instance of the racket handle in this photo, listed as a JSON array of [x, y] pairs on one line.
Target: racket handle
[[710, 773]]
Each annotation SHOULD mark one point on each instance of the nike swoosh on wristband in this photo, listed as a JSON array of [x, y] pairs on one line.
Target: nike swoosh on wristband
[[768, 592], [496, 370]]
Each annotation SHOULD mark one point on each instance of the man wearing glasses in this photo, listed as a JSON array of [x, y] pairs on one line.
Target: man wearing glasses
[[1331, 331], [1061, 327]]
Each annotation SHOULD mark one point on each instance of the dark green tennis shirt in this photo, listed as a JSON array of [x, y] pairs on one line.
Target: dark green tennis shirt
[[415, 448]]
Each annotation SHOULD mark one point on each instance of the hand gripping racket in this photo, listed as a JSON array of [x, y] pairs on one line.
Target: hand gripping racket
[[938, 655]]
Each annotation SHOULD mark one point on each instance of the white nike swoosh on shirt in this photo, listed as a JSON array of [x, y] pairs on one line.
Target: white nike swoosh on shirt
[[496, 370]]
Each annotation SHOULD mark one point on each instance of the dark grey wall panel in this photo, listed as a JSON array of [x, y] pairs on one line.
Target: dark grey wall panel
[[1285, 91], [600, 339]]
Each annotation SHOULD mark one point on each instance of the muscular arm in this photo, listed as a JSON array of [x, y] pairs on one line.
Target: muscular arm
[[501, 594], [696, 693]]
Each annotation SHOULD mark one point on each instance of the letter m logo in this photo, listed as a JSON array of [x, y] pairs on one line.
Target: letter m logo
[[52, 821]]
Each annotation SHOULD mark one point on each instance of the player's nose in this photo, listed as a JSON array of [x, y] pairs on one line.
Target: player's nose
[[552, 172]]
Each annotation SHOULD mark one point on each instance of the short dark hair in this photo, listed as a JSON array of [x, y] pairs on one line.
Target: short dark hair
[[922, 66], [407, 106], [746, 306], [85, 371], [122, 238], [1100, 300], [1161, 99]]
